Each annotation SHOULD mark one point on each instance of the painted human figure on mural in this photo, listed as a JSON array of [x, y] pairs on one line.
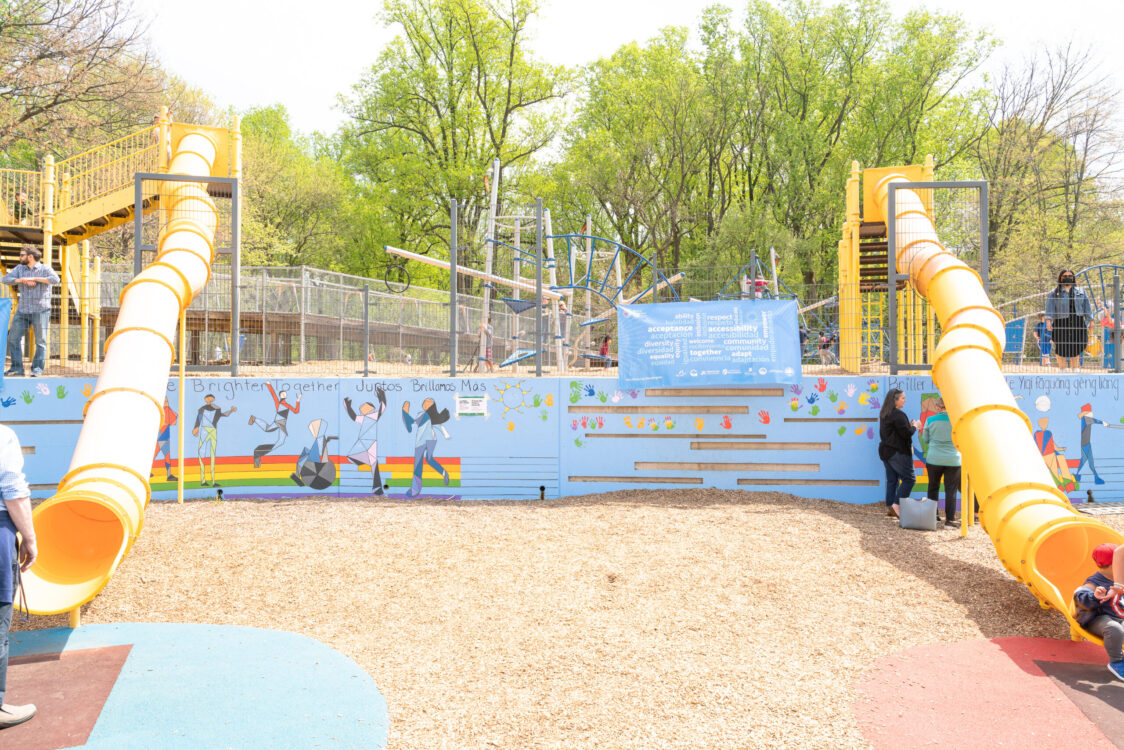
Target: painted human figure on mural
[[281, 409], [1087, 422], [365, 450], [1054, 457], [207, 430], [164, 439], [314, 469], [428, 421]]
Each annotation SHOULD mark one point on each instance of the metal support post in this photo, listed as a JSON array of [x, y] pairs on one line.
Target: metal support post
[[366, 330], [892, 276], [138, 224], [538, 287], [304, 307], [453, 288], [1116, 338], [236, 277]]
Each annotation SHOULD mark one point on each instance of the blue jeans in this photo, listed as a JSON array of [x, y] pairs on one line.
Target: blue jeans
[[899, 477], [20, 323], [5, 624]]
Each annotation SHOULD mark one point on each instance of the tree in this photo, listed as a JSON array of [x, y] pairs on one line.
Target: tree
[[457, 88], [69, 67], [296, 199]]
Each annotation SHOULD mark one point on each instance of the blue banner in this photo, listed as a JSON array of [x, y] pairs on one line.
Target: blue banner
[[708, 343]]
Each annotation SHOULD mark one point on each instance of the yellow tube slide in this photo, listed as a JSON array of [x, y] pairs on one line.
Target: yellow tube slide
[[89, 525], [1041, 540]]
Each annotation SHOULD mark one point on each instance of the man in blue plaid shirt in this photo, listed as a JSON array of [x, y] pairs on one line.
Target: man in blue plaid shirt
[[34, 281]]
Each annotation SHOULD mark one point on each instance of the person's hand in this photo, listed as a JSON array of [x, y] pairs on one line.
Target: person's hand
[[298, 398], [233, 409], [406, 406], [916, 423], [29, 550], [1103, 594], [195, 431], [1049, 325]]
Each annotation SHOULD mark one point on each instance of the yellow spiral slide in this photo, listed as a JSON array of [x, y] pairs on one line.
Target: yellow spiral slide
[[86, 529], [1041, 540]]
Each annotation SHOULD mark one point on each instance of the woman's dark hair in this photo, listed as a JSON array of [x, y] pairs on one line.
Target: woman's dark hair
[[889, 404]]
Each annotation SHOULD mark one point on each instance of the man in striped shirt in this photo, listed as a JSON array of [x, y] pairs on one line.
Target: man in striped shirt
[[33, 281]]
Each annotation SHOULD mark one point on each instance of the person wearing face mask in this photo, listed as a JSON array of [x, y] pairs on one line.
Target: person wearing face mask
[[1069, 315]]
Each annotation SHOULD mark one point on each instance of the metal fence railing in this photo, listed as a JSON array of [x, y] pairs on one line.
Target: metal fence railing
[[304, 321]]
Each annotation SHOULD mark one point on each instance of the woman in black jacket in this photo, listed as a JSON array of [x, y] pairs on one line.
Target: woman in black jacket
[[896, 449]]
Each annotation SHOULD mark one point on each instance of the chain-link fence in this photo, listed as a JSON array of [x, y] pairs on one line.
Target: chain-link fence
[[312, 322]]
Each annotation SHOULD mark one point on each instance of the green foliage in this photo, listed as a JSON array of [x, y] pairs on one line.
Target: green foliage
[[455, 90]]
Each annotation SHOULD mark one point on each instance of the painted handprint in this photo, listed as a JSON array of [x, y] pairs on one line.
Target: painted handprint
[[536, 400], [575, 391], [814, 411], [869, 433], [60, 392], [850, 390], [875, 403], [511, 427], [860, 430], [794, 404], [641, 423], [27, 397], [574, 425], [585, 421], [864, 398], [544, 414], [812, 398], [601, 423], [628, 421], [549, 400], [602, 396], [821, 385], [7, 402], [762, 417], [617, 396], [699, 422], [43, 389], [832, 396], [841, 408], [590, 390], [578, 442], [726, 424], [87, 390], [796, 390], [633, 393], [655, 426], [872, 385], [668, 424], [842, 431]]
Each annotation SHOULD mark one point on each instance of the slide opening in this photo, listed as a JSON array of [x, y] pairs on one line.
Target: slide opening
[[1063, 556], [80, 540]]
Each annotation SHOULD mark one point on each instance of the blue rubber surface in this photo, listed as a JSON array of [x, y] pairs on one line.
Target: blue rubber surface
[[210, 686]]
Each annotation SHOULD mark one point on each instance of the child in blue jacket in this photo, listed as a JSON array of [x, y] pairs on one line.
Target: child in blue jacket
[[1099, 609]]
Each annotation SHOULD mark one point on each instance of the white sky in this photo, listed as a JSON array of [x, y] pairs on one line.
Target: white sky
[[304, 54]]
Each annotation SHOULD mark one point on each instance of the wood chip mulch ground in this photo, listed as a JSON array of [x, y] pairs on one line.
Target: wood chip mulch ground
[[636, 619]]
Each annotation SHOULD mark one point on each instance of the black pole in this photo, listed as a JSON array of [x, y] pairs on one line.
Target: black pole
[[453, 288], [1116, 323], [236, 279], [538, 287]]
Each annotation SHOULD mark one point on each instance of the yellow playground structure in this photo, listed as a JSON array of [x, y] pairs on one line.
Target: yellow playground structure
[[1039, 537], [97, 512]]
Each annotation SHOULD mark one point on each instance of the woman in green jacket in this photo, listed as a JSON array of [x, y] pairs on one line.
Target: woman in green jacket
[[942, 459]]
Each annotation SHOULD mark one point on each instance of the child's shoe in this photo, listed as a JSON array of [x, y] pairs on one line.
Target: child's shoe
[[1117, 669]]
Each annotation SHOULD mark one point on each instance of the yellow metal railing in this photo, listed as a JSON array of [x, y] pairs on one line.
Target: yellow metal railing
[[79, 179], [20, 197], [102, 170]]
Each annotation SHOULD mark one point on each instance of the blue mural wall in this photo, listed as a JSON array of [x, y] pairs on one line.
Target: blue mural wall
[[524, 438]]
